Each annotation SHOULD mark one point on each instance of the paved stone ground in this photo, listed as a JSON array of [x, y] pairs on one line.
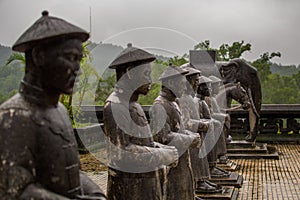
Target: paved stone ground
[[263, 179], [100, 178], [272, 179]]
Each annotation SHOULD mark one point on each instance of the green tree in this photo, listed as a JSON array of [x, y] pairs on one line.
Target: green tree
[[177, 61], [104, 88], [263, 64], [16, 56], [297, 79], [204, 45], [10, 74], [225, 52]]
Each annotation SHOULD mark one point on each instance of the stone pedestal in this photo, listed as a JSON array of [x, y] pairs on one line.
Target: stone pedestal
[[242, 149], [228, 193], [229, 166], [234, 179]]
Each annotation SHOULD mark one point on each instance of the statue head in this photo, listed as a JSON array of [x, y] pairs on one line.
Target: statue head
[[173, 79], [53, 52], [215, 84], [192, 77], [204, 86], [133, 70]]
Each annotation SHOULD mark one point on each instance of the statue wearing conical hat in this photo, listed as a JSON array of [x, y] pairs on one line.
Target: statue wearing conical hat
[[215, 109], [38, 150], [192, 121], [214, 137], [168, 128], [136, 162]]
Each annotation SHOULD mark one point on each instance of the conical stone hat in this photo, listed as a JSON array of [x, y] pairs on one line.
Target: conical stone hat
[[46, 28], [214, 79], [131, 56], [204, 79], [172, 71], [191, 69]]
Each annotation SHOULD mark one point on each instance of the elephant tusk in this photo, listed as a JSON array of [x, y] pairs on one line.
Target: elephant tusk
[[234, 108]]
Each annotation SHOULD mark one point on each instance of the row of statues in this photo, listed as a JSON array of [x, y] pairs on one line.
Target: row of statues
[[176, 154], [172, 157]]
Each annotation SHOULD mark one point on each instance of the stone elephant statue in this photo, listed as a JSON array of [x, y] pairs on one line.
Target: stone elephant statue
[[238, 70]]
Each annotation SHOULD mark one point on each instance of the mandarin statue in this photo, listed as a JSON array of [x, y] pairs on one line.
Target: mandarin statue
[[136, 162], [38, 150]]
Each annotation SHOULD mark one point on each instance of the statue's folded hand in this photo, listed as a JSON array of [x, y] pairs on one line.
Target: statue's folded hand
[[170, 154]]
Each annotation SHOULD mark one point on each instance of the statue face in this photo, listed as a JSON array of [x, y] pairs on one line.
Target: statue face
[[215, 88], [203, 89], [194, 82], [143, 76], [177, 85], [61, 66]]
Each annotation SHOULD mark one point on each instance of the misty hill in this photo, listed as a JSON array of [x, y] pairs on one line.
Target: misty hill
[[4, 54], [103, 55], [284, 70]]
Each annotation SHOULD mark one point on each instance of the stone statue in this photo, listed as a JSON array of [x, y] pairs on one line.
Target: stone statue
[[136, 163], [237, 70], [168, 129], [217, 114], [211, 101], [189, 107], [38, 150], [216, 139]]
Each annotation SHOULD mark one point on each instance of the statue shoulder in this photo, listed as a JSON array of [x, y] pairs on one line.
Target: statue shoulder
[[113, 98], [15, 107], [161, 100], [16, 121], [15, 102]]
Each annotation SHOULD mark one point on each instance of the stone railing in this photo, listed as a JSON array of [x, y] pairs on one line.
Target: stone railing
[[278, 122]]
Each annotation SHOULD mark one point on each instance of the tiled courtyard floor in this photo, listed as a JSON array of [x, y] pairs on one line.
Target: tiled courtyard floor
[[263, 178]]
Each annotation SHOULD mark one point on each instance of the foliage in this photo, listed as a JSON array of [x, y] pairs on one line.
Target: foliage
[[104, 88], [280, 90], [282, 70], [15, 56], [151, 96], [10, 74], [276, 88], [226, 52], [263, 63], [175, 61], [107, 83], [84, 89], [205, 45]]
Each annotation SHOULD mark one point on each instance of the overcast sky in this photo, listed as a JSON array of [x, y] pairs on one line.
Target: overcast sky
[[172, 26]]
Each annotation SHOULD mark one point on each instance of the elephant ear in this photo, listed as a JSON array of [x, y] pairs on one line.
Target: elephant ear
[[248, 76], [228, 71]]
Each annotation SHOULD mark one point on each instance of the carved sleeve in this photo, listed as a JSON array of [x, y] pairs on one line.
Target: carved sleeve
[[17, 163], [131, 147], [164, 131]]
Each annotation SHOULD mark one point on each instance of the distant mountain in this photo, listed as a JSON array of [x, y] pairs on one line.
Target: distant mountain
[[103, 55], [284, 70], [5, 52]]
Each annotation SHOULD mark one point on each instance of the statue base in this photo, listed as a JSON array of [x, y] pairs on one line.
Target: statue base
[[234, 179], [229, 166], [249, 150], [228, 193]]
